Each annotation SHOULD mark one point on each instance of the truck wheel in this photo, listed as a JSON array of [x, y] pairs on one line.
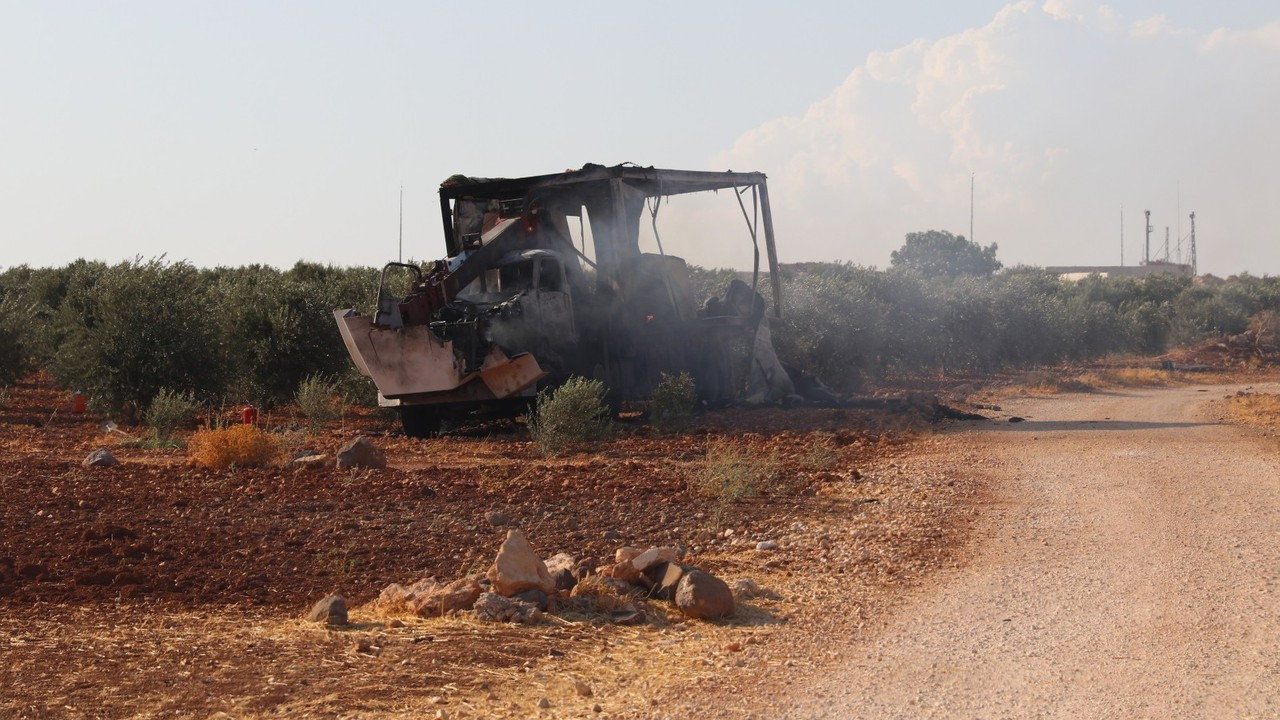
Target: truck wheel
[[420, 421]]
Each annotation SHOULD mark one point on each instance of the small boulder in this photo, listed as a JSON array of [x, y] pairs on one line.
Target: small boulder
[[703, 595], [428, 598], [518, 568], [625, 571], [746, 589], [496, 608], [308, 458], [560, 561], [100, 458], [561, 566], [536, 598], [361, 452], [497, 518], [625, 554], [331, 610], [654, 556], [664, 579], [767, 545]]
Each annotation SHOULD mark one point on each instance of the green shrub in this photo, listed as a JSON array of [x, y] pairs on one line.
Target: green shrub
[[574, 413], [4, 397], [168, 411], [672, 403], [319, 400], [135, 328]]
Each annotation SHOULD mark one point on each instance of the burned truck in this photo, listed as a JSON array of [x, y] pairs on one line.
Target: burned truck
[[517, 305]]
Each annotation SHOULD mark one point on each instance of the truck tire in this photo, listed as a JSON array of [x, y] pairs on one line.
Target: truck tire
[[420, 421]]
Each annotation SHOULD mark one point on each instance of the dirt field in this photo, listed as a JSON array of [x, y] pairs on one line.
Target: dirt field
[[156, 589]]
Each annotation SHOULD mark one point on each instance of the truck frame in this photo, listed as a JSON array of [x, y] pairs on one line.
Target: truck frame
[[516, 306]]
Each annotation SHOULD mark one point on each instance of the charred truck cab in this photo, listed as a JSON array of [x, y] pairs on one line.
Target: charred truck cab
[[516, 306]]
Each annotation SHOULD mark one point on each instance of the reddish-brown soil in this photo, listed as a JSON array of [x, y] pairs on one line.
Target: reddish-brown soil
[[155, 530], [156, 588]]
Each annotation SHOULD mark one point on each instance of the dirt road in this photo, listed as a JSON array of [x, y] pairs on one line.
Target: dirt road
[[1128, 566]]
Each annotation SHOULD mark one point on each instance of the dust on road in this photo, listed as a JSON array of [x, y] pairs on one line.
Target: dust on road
[[1127, 565]]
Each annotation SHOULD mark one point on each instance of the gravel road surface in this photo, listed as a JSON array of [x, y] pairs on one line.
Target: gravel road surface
[[1127, 566]]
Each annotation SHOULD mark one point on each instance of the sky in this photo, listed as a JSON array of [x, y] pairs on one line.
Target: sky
[[229, 133]]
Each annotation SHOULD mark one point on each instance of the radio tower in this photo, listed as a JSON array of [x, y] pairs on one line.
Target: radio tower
[[1192, 248], [1146, 248]]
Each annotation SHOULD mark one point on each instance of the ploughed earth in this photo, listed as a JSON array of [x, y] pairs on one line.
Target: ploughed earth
[[155, 588]]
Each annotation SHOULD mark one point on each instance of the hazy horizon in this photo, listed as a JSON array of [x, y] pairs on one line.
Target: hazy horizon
[[243, 133]]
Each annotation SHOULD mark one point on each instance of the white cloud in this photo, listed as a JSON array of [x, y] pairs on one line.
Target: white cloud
[[1266, 37], [1063, 112]]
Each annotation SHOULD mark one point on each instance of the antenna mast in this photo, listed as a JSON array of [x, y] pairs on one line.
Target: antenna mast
[[971, 208], [1194, 272], [400, 248], [1146, 248], [1122, 236]]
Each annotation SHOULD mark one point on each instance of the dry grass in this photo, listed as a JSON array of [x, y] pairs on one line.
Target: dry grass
[[237, 445], [732, 473], [1259, 409], [1126, 377], [1049, 382]]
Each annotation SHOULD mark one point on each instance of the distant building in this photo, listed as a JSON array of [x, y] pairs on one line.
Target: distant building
[[1078, 272]]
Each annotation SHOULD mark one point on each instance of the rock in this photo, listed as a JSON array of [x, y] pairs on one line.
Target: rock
[[665, 579], [331, 610], [561, 566], [428, 598], [395, 624], [703, 595], [518, 568], [543, 703], [564, 579], [309, 460], [100, 458], [560, 561], [654, 556], [497, 518], [596, 708], [767, 545], [582, 688], [745, 589], [624, 571], [536, 598], [625, 554], [612, 535], [1016, 419], [361, 453], [496, 608], [733, 647]]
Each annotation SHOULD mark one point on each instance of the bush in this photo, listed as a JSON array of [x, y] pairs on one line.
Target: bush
[[168, 411], [672, 403], [731, 473], [234, 446], [319, 400], [135, 328], [15, 340], [572, 414]]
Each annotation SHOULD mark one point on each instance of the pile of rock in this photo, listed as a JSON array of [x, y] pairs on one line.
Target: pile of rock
[[520, 587]]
